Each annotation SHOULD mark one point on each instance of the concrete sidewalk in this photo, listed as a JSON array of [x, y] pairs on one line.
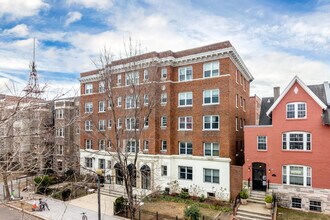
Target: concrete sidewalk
[[72, 210]]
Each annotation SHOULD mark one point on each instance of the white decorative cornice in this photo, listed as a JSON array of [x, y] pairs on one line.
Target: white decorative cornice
[[180, 61]]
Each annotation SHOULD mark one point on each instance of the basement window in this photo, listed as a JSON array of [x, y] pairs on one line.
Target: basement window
[[315, 206], [296, 203]]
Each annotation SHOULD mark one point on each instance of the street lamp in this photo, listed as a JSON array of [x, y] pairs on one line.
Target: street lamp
[[99, 172]]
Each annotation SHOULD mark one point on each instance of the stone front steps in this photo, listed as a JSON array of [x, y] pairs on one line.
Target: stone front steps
[[255, 209]]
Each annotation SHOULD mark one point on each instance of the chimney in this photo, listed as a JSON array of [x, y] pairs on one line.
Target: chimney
[[327, 91], [276, 93]]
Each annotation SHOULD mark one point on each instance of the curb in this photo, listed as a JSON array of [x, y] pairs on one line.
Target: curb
[[25, 211]]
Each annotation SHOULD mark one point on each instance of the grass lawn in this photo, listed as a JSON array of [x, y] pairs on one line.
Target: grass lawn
[[290, 214]]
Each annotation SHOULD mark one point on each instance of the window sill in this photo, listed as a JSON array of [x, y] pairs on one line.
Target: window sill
[[163, 151], [262, 150], [211, 130], [185, 129], [163, 127], [101, 112], [207, 77], [163, 103], [184, 106], [210, 104], [293, 119], [295, 151]]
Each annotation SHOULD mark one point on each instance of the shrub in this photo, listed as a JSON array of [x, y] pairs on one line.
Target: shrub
[[201, 198], [192, 212], [119, 204], [184, 195], [66, 194], [42, 182], [269, 199], [244, 194]]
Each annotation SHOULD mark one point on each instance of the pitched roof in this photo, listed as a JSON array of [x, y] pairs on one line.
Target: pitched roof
[[306, 88], [266, 103]]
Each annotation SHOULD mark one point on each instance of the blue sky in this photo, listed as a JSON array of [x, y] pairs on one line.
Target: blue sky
[[276, 39]]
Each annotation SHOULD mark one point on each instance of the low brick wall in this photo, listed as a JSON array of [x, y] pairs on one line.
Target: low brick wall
[[236, 176]]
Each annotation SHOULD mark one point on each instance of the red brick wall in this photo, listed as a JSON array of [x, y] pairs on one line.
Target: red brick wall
[[236, 176]]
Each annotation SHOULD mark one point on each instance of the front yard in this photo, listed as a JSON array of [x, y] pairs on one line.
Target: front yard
[[290, 214], [172, 206]]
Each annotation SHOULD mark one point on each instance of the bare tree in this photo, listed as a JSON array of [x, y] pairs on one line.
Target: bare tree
[[141, 95]]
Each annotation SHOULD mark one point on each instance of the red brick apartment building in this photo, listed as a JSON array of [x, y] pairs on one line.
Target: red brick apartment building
[[196, 130], [288, 152]]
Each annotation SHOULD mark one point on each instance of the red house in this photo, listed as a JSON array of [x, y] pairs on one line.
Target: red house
[[288, 153]]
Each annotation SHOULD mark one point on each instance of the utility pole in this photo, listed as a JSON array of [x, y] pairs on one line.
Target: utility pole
[[98, 173]]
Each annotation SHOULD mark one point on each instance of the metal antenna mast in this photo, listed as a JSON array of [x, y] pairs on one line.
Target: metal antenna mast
[[32, 89]]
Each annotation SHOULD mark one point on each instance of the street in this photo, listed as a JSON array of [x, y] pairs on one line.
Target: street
[[13, 214]]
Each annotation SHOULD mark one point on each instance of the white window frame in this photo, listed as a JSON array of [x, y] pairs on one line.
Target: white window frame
[[296, 203], [132, 78], [101, 86], [163, 122], [131, 102], [145, 99], [132, 146], [89, 107], [88, 144], [119, 102], [185, 123], [296, 111], [102, 125], [185, 97], [102, 106], [262, 140], [145, 75], [163, 73], [119, 123], [236, 123], [211, 91], [237, 76], [212, 176], [236, 100], [186, 173], [163, 98], [185, 74], [59, 113], [184, 146], [146, 122], [119, 80], [316, 207], [145, 145], [88, 125], [211, 123], [212, 149], [109, 124], [163, 146], [88, 162], [131, 124], [306, 171], [102, 144], [100, 163], [215, 65], [60, 132], [88, 88], [286, 141], [60, 149]]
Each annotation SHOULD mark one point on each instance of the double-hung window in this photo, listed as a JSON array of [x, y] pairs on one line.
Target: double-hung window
[[163, 145], [118, 79], [88, 144], [109, 124], [295, 110], [146, 122], [145, 145], [131, 146], [185, 99], [59, 113], [163, 98], [119, 123], [88, 162], [88, 88], [131, 124], [297, 175], [211, 122], [211, 69], [296, 140], [119, 102], [163, 73], [88, 125], [211, 97], [185, 173], [131, 102], [102, 144], [185, 148], [102, 164], [145, 75], [60, 132], [60, 149], [132, 78], [101, 106], [163, 121], [185, 73], [101, 86], [262, 143], [145, 99], [164, 170], [315, 206], [211, 176], [186, 123], [88, 107], [211, 149], [101, 125]]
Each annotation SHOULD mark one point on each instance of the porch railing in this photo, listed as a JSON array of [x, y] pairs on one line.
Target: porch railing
[[236, 204]]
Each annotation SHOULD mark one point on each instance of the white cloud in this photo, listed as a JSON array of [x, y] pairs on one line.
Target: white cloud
[[20, 30], [73, 16], [96, 4], [21, 8]]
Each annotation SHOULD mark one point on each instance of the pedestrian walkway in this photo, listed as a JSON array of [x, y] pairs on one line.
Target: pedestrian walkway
[[72, 210]]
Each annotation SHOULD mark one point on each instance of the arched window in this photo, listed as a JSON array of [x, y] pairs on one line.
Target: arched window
[[145, 177]]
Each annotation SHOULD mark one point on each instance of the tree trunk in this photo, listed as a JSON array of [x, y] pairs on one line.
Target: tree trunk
[[5, 181]]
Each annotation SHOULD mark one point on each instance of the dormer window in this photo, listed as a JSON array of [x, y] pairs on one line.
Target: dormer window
[[296, 110]]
